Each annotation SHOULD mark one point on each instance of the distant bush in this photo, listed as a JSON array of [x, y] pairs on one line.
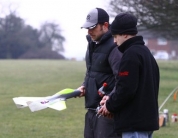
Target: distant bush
[[44, 53]]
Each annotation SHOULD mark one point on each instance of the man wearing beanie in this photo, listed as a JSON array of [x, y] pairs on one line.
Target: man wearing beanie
[[102, 62], [134, 103]]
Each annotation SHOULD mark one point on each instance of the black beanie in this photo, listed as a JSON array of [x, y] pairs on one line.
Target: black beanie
[[124, 23]]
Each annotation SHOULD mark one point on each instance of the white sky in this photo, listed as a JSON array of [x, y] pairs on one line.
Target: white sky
[[69, 14]]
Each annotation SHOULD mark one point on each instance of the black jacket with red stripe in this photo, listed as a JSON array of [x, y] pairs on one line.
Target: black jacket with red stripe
[[135, 101]]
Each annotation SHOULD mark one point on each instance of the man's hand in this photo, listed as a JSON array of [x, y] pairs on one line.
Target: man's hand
[[103, 110], [82, 89], [104, 99]]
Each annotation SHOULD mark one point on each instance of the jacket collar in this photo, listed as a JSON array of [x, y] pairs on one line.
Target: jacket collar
[[137, 40], [105, 37]]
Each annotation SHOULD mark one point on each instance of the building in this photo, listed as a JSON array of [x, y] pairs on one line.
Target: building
[[160, 47]]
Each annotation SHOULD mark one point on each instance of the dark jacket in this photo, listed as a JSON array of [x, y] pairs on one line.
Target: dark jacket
[[135, 101], [102, 62]]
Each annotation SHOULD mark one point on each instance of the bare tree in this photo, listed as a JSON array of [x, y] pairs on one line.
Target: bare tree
[[159, 16], [18, 38], [50, 34]]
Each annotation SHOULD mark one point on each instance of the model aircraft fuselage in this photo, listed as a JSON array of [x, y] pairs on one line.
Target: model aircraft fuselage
[[56, 101]]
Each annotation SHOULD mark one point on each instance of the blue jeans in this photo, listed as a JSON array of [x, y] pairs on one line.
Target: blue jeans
[[142, 134]]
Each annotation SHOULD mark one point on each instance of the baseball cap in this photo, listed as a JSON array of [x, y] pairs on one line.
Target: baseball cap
[[94, 17]]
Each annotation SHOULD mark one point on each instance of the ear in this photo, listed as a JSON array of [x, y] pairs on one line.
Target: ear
[[126, 36], [106, 25]]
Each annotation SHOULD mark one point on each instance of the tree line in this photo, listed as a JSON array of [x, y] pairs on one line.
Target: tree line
[[20, 40]]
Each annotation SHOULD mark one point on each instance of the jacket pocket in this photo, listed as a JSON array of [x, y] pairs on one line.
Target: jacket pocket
[[92, 98]]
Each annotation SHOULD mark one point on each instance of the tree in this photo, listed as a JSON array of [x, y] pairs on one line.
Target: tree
[[18, 38], [15, 37], [159, 16], [50, 34]]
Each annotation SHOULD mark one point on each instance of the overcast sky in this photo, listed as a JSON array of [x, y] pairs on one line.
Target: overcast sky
[[69, 14]]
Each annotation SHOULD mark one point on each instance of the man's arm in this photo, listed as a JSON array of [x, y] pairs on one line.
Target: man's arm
[[127, 83], [114, 61]]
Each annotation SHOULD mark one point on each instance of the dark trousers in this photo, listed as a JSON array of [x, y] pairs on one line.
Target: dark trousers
[[98, 127]]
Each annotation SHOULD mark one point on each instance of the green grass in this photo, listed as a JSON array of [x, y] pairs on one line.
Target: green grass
[[46, 77], [168, 82], [40, 78]]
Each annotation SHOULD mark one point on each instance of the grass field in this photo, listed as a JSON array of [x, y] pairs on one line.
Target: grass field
[[46, 77]]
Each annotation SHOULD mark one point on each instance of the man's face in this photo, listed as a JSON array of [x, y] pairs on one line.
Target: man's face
[[96, 32], [119, 39]]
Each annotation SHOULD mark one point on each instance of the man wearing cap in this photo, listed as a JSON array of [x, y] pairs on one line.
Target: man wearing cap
[[134, 103], [102, 62]]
